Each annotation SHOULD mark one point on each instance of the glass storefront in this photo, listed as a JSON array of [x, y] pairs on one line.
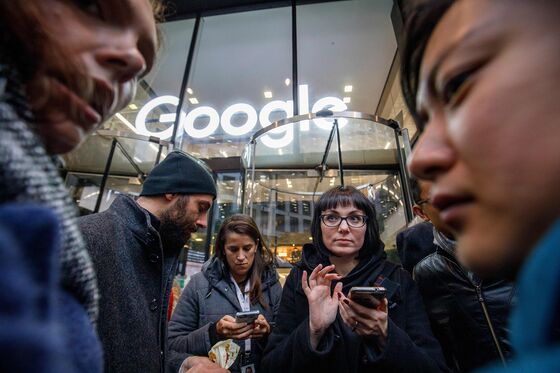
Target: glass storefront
[[242, 79]]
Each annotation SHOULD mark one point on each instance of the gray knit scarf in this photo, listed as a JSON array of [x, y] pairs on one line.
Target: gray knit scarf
[[29, 174]]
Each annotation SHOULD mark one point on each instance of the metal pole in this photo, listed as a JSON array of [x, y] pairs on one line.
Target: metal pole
[[295, 82], [404, 180], [158, 156], [209, 232], [251, 196], [105, 175], [340, 167], [186, 75]]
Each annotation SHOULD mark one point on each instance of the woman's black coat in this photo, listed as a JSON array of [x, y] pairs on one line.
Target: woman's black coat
[[410, 347]]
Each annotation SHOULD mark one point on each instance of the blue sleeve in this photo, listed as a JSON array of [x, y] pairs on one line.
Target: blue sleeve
[[30, 335]]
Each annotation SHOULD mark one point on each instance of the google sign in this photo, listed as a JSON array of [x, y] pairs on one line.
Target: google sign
[[281, 136]]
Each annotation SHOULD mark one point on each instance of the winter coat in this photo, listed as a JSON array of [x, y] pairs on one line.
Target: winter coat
[[410, 347], [464, 310], [135, 274], [414, 244], [29, 175], [535, 320], [35, 313], [209, 296]]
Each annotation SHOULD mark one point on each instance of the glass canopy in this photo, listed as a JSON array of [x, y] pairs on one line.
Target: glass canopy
[[290, 163]]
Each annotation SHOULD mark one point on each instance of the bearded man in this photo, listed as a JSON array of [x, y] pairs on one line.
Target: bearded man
[[134, 246]]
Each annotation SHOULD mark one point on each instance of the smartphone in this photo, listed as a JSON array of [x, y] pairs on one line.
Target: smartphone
[[368, 296], [247, 316]]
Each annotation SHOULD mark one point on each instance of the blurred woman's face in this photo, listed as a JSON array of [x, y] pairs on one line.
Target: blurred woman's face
[[114, 42], [240, 250], [490, 99], [343, 240]]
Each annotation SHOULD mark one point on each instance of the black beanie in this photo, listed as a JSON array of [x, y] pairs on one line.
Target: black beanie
[[179, 173]]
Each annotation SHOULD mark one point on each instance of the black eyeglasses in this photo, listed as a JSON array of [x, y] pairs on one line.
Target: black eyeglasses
[[354, 221], [422, 201]]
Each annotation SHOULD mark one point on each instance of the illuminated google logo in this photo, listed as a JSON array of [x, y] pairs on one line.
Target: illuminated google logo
[[281, 136]]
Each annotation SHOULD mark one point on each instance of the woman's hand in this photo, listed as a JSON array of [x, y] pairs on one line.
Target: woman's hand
[[323, 305], [228, 328], [364, 321], [261, 328]]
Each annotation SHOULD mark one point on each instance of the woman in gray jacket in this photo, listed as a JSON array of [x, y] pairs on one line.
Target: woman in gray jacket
[[239, 277]]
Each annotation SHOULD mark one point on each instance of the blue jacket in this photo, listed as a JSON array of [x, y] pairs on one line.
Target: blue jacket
[[42, 327], [535, 323]]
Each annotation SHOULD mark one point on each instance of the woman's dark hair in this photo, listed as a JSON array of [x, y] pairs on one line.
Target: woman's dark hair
[[343, 196], [264, 259], [421, 18]]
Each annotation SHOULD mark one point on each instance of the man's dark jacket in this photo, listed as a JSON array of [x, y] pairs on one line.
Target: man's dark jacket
[[135, 275], [411, 346], [455, 304], [414, 244]]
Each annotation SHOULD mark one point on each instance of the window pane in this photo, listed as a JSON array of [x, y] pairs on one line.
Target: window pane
[[240, 58], [355, 44]]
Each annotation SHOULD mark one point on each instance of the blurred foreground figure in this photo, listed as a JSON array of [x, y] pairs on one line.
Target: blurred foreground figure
[[65, 67], [481, 79]]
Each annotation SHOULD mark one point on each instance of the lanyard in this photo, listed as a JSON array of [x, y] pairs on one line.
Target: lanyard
[[244, 302]]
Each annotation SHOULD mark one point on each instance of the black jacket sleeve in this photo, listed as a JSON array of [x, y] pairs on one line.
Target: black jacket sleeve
[[289, 347]]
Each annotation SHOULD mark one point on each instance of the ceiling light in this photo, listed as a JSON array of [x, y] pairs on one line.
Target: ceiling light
[[347, 88], [193, 100], [132, 107], [287, 81], [189, 91], [267, 94], [346, 100], [137, 159], [387, 145]]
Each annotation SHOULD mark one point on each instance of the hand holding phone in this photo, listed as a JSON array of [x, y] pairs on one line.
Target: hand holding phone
[[247, 316], [368, 296]]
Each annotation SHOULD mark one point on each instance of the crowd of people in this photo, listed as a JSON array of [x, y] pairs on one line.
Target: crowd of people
[[481, 275]]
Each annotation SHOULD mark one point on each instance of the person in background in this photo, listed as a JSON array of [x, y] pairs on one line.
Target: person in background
[[65, 67], [135, 247], [481, 79], [416, 242], [241, 276], [468, 314], [320, 329]]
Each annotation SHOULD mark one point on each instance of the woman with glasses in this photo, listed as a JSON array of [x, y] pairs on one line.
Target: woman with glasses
[[319, 326]]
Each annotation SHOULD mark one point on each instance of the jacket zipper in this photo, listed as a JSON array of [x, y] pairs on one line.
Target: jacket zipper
[[489, 322]]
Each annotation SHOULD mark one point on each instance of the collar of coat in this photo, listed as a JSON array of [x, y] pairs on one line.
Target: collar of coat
[[134, 217]]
